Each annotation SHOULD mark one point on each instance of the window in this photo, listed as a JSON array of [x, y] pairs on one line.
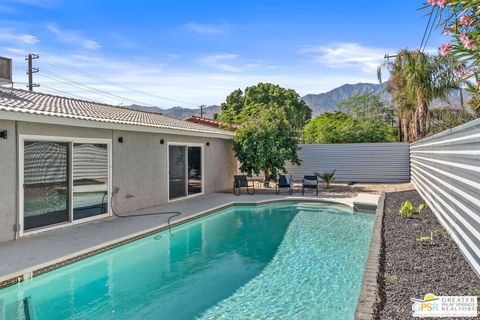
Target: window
[[90, 178], [63, 181], [185, 170]]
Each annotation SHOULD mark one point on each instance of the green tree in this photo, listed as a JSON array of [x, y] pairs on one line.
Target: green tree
[[263, 144], [240, 106], [416, 79], [340, 127], [460, 20], [367, 107], [448, 118]]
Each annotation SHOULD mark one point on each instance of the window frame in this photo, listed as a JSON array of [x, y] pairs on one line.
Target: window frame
[[202, 157], [22, 138]]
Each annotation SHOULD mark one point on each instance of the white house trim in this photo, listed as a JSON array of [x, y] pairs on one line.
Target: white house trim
[[185, 144], [21, 143]]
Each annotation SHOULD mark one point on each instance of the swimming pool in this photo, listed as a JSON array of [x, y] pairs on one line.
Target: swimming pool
[[281, 261]]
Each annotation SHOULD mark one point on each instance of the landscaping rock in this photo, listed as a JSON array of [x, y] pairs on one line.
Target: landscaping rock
[[411, 268]]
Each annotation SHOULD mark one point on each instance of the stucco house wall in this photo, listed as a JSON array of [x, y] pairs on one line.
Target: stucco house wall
[[139, 165]]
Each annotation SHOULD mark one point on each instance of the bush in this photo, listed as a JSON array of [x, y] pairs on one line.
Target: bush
[[406, 210], [339, 127]]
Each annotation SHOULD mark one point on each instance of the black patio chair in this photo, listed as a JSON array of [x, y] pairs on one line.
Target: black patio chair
[[309, 182], [284, 181], [241, 181]]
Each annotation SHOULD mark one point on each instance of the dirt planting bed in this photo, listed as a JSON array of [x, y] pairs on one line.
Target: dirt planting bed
[[411, 268]]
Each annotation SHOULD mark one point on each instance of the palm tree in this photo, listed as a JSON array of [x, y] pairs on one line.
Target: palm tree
[[416, 79]]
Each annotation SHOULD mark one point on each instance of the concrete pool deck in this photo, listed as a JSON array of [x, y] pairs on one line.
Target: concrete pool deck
[[39, 253]]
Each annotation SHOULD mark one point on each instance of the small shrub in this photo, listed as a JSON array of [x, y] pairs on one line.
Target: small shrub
[[420, 208], [390, 278], [443, 232], [328, 177], [427, 240], [474, 292], [407, 209]]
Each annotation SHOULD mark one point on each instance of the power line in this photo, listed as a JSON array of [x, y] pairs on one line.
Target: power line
[[426, 29], [68, 94], [60, 64], [56, 77], [431, 28]]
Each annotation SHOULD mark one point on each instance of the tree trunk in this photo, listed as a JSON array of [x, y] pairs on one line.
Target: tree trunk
[[266, 181], [420, 121], [406, 130], [400, 129]]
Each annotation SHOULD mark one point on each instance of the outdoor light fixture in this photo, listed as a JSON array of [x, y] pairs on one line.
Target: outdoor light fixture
[[208, 144], [4, 134], [120, 139], [162, 141]]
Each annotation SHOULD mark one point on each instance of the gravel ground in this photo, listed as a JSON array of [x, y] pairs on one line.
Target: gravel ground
[[411, 269]]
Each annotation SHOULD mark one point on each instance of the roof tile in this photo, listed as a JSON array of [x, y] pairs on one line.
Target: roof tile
[[18, 100]]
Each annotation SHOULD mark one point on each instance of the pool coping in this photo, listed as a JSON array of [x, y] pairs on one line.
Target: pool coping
[[34, 271], [369, 290]]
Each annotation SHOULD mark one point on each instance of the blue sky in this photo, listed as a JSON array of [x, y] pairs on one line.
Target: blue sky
[[195, 52]]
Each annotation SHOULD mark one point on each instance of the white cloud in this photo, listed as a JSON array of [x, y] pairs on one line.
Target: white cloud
[[186, 83], [222, 62], [73, 37], [11, 36], [229, 62], [206, 29], [347, 55]]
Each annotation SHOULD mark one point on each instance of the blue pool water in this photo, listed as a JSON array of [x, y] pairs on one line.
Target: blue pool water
[[280, 261]]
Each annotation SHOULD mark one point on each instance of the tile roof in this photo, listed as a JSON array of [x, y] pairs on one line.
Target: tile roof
[[210, 122], [18, 100]]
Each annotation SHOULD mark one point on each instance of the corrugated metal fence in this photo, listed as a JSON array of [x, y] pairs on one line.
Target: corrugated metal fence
[[446, 172], [355, 162]]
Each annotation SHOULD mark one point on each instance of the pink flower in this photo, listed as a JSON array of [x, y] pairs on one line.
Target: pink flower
[[432, 2], [467, 43], [442, 3], [446, 49], [465, 19]]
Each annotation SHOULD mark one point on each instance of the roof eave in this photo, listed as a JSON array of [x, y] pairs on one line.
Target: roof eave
[[9, 113]]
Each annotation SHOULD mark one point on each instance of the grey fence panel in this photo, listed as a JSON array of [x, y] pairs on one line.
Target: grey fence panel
[[446, 173], [355, 162]]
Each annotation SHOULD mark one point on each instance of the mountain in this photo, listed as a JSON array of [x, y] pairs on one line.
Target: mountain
[[329, 101], [179, 112], [319, 103]]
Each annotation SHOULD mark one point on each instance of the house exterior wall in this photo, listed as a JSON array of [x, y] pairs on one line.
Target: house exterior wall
[[8, 182], [144, 183], [139, 166], [446, 173]]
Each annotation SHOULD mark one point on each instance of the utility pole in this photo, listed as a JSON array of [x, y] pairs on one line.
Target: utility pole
[[461, 98], [201, 110], [31, 70]]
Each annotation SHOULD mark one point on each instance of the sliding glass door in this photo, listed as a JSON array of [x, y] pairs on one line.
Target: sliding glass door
[[90, 180], [177, 171], [194, 170], [46, 184], [63, 181], [185, 170]]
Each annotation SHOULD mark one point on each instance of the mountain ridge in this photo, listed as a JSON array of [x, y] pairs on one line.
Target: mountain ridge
[[319, 103]]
